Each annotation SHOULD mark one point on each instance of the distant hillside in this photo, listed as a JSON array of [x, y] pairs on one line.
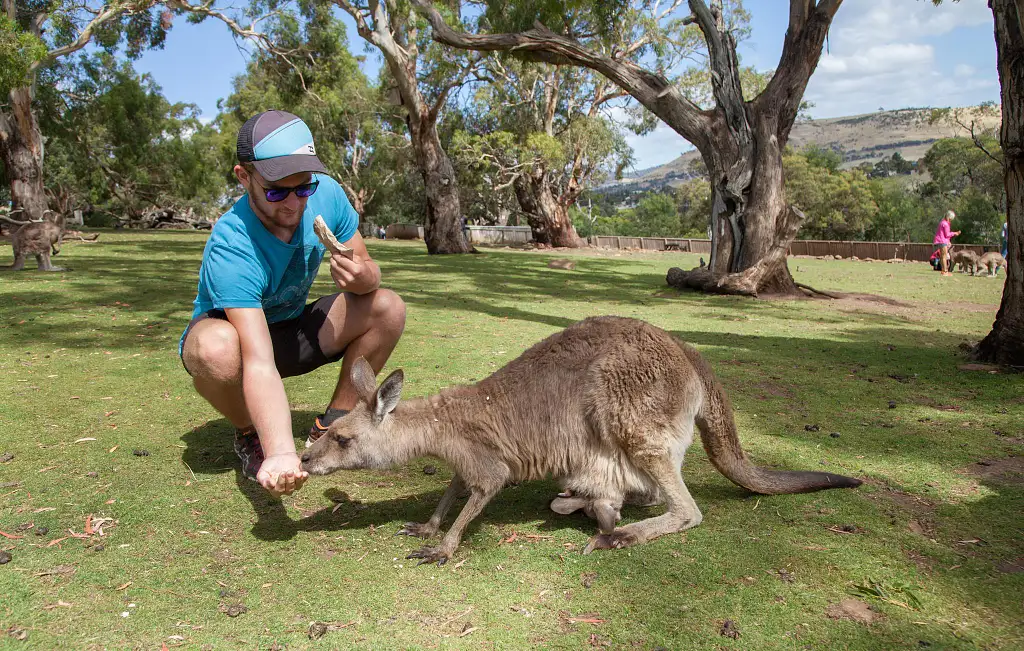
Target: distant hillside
[[860, 138]]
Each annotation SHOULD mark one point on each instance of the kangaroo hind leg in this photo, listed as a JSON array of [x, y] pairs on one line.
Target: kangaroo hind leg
[[666, 471]]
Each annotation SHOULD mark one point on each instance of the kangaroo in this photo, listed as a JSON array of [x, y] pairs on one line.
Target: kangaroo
[[966, 259], [37, 238], [607, 407], [990, 263]]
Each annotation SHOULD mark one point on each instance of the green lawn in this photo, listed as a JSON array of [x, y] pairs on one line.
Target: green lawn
[[89, 374]]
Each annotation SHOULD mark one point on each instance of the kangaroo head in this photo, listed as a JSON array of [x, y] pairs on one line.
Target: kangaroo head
[[362, 438]]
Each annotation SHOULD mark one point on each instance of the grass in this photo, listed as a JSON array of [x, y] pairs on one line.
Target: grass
[[89, 373]]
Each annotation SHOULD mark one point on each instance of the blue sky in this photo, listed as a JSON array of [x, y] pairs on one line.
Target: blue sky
[[881, 53]]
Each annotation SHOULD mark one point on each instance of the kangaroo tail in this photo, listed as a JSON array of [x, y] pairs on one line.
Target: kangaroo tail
[[718, 433]]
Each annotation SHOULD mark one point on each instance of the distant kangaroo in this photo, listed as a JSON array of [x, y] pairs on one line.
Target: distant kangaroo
[[606, 406]]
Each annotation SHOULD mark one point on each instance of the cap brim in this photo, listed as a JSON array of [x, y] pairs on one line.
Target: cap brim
[[275, 169]]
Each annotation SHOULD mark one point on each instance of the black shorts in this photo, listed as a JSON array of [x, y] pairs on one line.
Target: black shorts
[[296, 341]]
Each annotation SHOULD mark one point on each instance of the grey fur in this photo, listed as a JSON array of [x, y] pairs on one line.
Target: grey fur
[[607, 407]]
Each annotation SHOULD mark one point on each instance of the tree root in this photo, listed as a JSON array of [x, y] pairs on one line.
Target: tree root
[[812, 291]]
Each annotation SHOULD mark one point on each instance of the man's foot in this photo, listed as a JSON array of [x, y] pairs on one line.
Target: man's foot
[[249, 450], [946, 273], [321, 423]]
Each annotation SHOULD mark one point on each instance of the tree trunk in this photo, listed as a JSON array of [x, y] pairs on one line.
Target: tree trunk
[[21, 150], [752, 225], [548, 219], [1005, 344], [443, 228]]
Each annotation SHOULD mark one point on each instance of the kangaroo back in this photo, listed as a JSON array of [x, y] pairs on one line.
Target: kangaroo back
[[718, 434]]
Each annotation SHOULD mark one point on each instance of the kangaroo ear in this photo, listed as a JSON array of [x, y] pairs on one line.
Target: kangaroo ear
[[388, 394], [364, 379]]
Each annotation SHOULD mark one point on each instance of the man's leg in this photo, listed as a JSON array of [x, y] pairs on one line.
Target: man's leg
[[213, 357], [367, 326]]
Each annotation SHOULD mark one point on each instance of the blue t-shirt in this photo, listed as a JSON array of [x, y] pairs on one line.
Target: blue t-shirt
[[245, 265]]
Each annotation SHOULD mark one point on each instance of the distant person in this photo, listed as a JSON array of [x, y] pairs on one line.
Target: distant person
[[943, 236], [381, 233]]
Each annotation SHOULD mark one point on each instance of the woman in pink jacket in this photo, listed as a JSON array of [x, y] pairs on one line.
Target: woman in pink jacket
[[942, 238]]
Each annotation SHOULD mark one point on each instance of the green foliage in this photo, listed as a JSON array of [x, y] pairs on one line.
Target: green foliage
[[967, 177], [902, 215], [117, 146], [654, 216], [693, 203], [838, 204], [18, 51], [537, 120]]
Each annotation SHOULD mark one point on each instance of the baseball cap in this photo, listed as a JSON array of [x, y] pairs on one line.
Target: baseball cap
[[278, 144]]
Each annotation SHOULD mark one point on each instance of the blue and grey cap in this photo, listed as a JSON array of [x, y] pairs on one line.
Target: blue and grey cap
[[278, 144]]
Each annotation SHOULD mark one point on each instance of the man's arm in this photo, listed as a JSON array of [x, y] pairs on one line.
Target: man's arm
[[360, 275], [266, 401]]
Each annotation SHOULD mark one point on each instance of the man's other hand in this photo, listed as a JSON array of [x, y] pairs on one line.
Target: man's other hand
[[358, 276], [281, 475]]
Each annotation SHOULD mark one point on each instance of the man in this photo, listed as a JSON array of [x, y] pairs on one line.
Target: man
[[251, 325], [943, 236]]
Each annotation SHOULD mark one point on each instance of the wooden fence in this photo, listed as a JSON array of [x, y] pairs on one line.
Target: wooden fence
[[512, 235], [917, 251]]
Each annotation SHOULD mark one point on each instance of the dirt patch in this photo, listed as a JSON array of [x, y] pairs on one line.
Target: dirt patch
[[857, 299], [770, 389], [916, 311], [915, 505], [1002, 471], [923, 563], [1013, 566], [854, 609]]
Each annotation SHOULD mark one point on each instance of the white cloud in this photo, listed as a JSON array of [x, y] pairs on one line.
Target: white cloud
[[883, 54], [861, 22]]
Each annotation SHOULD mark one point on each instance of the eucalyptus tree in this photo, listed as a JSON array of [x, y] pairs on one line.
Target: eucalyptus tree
[[544, 131], [36, 34], [116, 145], [644, 47], [423, 77]]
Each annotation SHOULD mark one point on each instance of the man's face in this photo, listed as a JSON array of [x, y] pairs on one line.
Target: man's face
[[283, 214]]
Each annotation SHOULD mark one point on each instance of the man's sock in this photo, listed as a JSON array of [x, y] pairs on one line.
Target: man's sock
[[332, 415]]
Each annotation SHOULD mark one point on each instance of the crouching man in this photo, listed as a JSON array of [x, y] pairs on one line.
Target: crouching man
[[251, 325]]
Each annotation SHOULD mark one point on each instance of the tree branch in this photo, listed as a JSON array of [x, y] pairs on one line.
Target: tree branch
[[541, 44]]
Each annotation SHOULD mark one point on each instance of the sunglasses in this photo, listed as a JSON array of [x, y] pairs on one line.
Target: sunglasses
[[275, 195]]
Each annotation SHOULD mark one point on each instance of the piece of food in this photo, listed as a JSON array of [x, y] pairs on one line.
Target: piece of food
[[328, 239]]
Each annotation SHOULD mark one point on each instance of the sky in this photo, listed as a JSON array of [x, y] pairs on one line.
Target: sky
[[880, 54]]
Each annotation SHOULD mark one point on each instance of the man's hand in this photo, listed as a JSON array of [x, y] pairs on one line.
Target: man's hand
[[281, 475], [358, 276]]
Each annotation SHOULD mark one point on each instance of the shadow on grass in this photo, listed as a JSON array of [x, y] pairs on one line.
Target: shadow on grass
[[209, 451]]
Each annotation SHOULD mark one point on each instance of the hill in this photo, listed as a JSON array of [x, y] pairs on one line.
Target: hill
[[860, 138]]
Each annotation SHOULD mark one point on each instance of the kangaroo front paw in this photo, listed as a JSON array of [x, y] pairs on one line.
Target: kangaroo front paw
[[430, 555], [617, 539], [417, 529]]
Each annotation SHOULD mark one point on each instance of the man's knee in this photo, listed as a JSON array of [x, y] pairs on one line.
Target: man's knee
[[388, 311], [213, 353]]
